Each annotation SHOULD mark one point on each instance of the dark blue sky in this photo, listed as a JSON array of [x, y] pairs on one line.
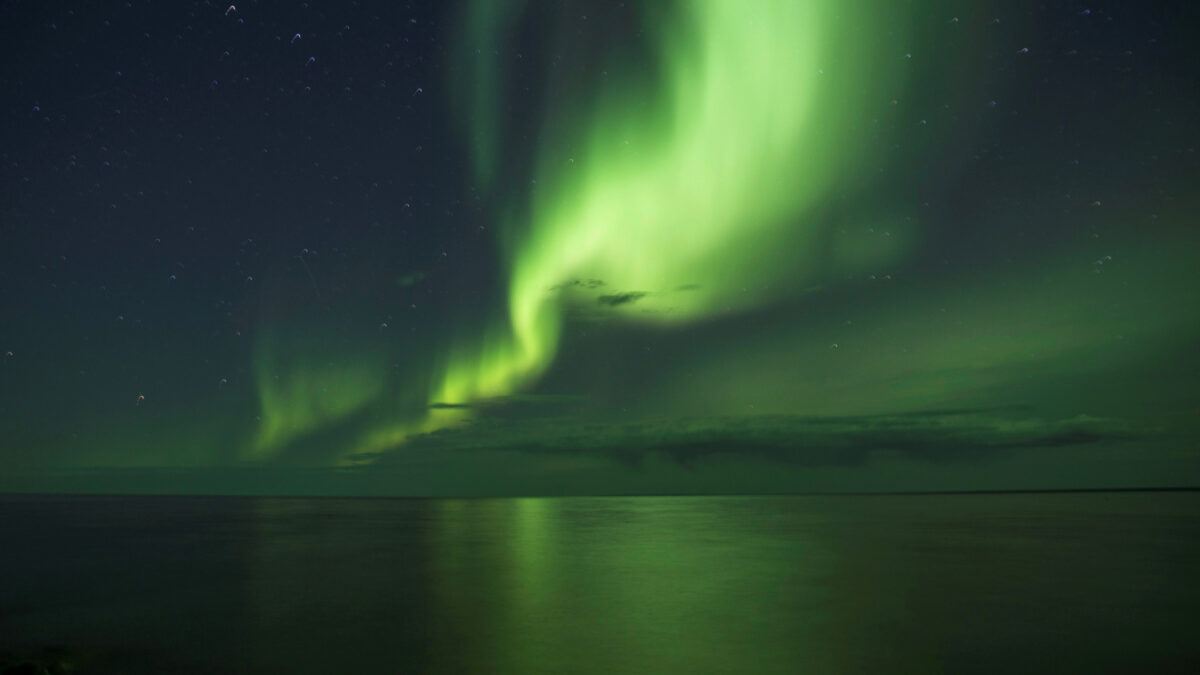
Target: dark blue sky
[[256, 250]]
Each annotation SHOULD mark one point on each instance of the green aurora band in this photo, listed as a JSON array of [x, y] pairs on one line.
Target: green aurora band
[[685, 198], [760, 112]]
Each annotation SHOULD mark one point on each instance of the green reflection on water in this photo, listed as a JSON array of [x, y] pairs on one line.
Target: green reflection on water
[[1065, 582], [622, 585], [970, 583]]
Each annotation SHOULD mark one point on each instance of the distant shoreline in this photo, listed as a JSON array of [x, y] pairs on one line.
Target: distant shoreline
[[893, 493]]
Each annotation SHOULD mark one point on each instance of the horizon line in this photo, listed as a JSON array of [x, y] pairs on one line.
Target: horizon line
[[873, 493]]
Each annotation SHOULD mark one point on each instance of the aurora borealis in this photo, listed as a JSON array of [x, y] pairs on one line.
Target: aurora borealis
[[704, 179], [599, 247]]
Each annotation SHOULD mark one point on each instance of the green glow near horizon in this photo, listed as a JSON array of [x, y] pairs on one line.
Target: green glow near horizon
[[705, 190], [300, 395]]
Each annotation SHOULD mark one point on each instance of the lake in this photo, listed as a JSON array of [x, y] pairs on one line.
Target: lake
[[1047, 582]]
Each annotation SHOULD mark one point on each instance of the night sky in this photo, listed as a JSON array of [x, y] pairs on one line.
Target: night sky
[[495, 248]]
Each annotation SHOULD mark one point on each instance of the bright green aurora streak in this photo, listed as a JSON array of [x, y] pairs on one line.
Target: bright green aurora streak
[[688, 199], [762, 112]]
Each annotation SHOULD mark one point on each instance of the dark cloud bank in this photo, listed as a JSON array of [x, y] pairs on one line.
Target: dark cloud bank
[[941, 435]]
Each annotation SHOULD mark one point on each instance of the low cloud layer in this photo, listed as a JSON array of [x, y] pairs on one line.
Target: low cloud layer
[[941, 435]]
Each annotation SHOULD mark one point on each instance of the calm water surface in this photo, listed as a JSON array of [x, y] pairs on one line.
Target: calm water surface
[[1104, 582]]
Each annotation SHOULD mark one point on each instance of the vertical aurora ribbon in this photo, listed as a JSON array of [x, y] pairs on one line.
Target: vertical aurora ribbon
[[695, 203], [686, 187]]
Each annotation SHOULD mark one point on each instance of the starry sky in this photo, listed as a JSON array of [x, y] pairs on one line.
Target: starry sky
[[522, 247]]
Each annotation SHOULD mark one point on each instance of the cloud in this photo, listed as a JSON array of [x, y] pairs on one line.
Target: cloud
[[617, 299], [590, 284], [936, 435]]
